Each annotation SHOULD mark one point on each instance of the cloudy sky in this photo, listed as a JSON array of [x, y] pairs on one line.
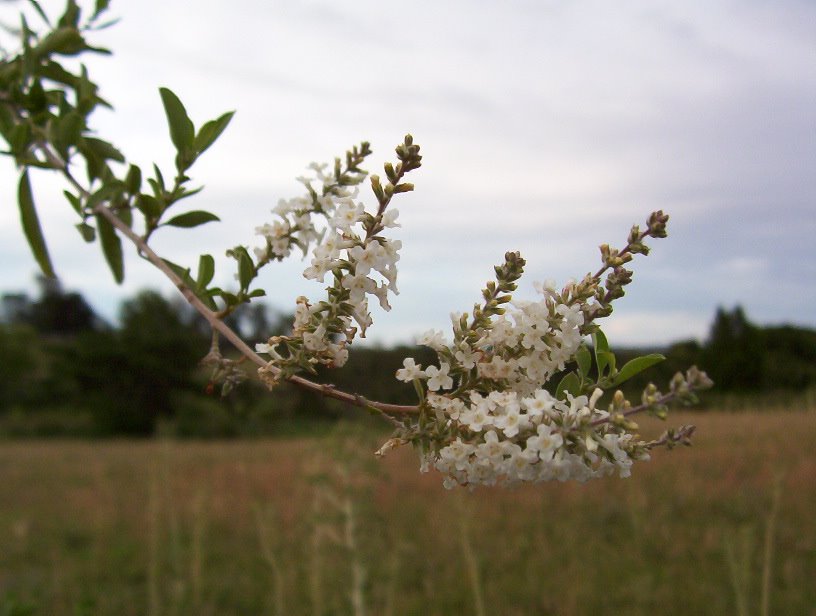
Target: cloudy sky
[[547, 126]]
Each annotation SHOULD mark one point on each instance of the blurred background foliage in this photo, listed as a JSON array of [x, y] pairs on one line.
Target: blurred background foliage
[[67, 372]]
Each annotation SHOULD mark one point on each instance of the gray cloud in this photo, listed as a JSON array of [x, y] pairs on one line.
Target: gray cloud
[[547, 127]]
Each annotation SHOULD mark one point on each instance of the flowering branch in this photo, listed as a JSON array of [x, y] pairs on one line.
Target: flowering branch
[[487, 410], [215, 320]]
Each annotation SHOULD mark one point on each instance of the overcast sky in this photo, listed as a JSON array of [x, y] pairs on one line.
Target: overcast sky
[[546, 127]]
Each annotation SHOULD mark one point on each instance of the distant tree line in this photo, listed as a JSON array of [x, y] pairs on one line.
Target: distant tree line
[[66, 371], [742, 357]]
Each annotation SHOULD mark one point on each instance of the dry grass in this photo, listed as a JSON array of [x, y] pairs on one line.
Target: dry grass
[[318, 526]]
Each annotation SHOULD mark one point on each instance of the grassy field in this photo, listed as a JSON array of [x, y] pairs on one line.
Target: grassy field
[[317, 526]]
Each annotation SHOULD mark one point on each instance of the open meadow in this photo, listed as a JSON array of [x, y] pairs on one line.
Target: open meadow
[[318, 526]]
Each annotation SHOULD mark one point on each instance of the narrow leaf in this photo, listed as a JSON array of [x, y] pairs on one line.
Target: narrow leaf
[[100, 6], [229, 298], [182, 131], [87, 232], [601, 347], [181, 272], [133, 181], [584, 359], [103, 149], [74, 201], [608, 361], [246, 269], [71, 16], [65, 41], [111, 247], [20, 138], [39, 10], [184, 274], [31, 226], [55, 72], [69, 130], [211, 131], [636, 366], [158, 184], [149, 206], [569, 384], [192, 219], [206, 270]]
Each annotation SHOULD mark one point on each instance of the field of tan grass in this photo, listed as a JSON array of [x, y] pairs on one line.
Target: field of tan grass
[[318, 526]]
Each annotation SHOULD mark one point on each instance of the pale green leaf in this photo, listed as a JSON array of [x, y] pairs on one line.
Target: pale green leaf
[[31, 225]]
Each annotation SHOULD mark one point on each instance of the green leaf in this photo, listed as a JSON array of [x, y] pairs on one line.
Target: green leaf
[[181, 272], [71, 16], [636, 366], [133, 181], [125, 214], [569, 384], [65, 41], [184, 274], [608, 361], [103, 149], [74, 201], [246, 269], [229, 298], [100, 6], [20, 138], [158, 183], [208, 133], [111, 247], [87, 232], [182, 131], [183, 193], [39, 10], [31, 225], [192, 219], [69, 130], [7, 120], [584, 359], [256, 293], [149, 206], [37, 100], [107, 192], [53, 71], [601, 347], [206, 271]]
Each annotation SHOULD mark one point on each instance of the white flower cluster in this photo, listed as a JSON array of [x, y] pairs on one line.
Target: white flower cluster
[[349, 248], [520, 352], [533, 439], [488, 401]]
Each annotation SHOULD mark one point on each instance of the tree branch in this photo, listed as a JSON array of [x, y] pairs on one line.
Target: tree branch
[[216, 323]]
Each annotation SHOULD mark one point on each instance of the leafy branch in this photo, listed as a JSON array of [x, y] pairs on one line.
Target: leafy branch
[[46, 128], [484, 412]]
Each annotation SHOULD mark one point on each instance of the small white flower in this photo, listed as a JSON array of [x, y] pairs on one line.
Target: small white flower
[[465, 356], [491, 449], [511, 421], [358, 285], [389, 219], [410, 371], [315, 341], [438, 377], [476, 417], [540, 403], [347, 215], [545, 441], [433, 339]]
